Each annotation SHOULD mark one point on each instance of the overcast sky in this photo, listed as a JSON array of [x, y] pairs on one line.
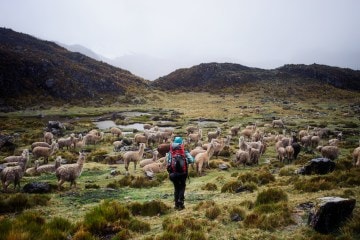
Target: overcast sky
[[181, 33]]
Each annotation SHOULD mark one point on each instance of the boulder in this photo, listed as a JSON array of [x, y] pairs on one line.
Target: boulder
[[318, 166], [330, 212], [55, 124], [223, 166], [37, 187]]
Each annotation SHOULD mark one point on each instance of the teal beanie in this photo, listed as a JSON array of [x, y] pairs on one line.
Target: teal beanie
[[178, 140]]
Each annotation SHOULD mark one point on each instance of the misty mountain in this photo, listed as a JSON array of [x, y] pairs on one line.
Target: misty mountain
[[141, 65], [34, 71], [81, 49], [219, 76]]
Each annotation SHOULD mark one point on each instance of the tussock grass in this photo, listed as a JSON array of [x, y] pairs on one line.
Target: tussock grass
[[186, 228], [327, 182], [209, 187], [152, 208], [20, 201], [110, 217], [271, 210], [139, 181], [32, 225]]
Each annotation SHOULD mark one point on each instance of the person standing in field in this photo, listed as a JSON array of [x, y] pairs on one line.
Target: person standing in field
[[178, 160]]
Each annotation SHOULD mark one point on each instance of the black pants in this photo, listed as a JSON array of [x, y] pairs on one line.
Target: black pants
[[179, 181]]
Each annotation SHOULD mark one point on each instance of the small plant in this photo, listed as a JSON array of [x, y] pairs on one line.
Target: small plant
[[265, 177], [83, 234], [213, 212], [20, 201], [287, 171], [92, 186], [209, 187], [106, 218], [271, 195], [152, 208], [248, 204], [139, 226], [237, 211], [231, 186]]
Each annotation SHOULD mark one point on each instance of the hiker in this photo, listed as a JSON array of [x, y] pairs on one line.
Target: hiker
[[178, 160]]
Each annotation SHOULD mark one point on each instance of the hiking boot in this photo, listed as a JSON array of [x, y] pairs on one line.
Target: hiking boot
[[181, 207]]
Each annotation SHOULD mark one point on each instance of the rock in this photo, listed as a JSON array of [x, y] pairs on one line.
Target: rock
[[127, 141], [318, 166], [236, 217], [114, 172], [223, 166], [7, 142], [55, 124], [37, 187], [149, 174], [243, 189], [330, 212], [50, 83]]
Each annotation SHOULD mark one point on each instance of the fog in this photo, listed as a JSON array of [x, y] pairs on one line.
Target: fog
[[153, 38]]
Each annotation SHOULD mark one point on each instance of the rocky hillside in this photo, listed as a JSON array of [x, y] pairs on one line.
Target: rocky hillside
[[217, 76], [33, 71]]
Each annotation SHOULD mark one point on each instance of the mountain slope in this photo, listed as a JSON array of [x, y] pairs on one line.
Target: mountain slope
[[227, 75], [33, 70]]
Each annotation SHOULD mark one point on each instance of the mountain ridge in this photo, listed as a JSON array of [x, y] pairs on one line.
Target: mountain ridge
[[31, 66], [227, 75]]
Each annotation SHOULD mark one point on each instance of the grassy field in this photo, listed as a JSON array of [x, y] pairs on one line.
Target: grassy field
[[89, 212]]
